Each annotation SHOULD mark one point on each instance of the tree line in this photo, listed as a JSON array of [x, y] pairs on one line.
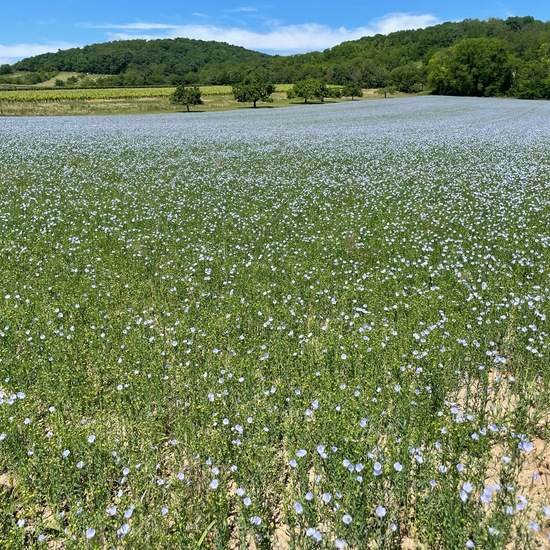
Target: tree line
[[494, 57], [257, 87]]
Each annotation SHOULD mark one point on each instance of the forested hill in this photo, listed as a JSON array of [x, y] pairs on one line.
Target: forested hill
[[512, 56], [471, 57]]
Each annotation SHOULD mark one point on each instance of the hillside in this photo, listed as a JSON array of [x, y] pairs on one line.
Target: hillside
[[401, 58], [513, 56], [149, 62]]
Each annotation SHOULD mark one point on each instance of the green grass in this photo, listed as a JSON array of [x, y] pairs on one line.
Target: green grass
[[99, 101]]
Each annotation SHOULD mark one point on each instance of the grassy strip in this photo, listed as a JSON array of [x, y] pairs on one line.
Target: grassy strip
[[104, 101]]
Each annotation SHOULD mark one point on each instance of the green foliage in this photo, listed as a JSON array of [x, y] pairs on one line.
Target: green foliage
[[352, 89], [409, 78], [310, 88], [186, 95], [155, 61], [532, 78], [474, 66], [252, 89], [334, 92], [6, 69], [26, 79], [361, 70], [387, 90]]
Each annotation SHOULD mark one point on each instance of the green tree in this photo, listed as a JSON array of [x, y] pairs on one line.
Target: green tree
[[253, 88], [532, 78], [310, 88], [385, 91], [334, 92], [367, 73], [133, 77], [408, 78], [186, 95], [473, 66], [352, 89]]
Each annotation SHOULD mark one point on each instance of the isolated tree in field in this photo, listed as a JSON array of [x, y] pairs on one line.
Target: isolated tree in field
[[186, 95], [352, 89], [385, 91], [253, 89], [310, 88]]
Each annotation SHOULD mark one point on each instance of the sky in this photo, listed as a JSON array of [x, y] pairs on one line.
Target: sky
[[274, 26]]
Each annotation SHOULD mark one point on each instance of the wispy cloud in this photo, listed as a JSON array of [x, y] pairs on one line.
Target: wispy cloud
[[12, 53], [276, 38], [138, 26], [402, 21], [244, 9]]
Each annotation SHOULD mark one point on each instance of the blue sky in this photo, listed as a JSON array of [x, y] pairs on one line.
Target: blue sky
[[282, 26]]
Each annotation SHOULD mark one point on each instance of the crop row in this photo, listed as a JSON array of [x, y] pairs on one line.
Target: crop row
[[98, 93]]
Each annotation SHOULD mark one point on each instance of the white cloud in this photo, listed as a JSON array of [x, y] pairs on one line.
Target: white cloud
[[402, 21], [279, 38], [12, 53], [244, 9]]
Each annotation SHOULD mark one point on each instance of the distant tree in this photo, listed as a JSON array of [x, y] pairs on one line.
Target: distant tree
[[191, 78], [59, 83], [338, 74], [386, 90], [518, 23], [352, 89], [471, 67], [532, 78], [186, 95], [253, 88], [6, 69], [334, 92], [310, 88], [408, 78], [33, 78], [368, 73], [133, 77]]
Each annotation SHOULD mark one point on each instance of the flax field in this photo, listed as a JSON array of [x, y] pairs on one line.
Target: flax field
[[318, 327]]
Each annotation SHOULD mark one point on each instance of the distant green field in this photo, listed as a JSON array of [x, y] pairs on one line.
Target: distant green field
[[86, 101], [68, 94], [62, 94]]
